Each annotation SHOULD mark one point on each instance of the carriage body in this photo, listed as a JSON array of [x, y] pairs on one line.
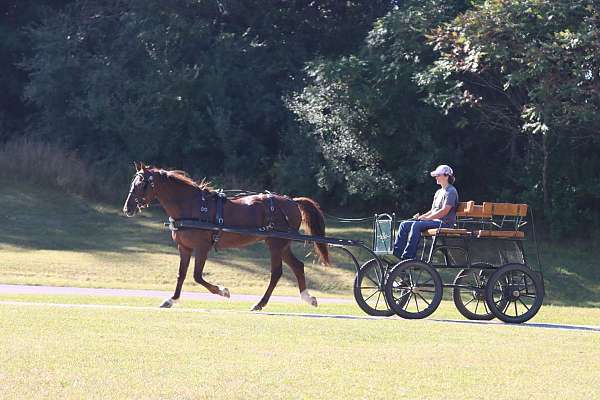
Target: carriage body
[[484, 255]]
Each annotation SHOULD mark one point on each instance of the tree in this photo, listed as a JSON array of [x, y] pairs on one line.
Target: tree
[[377, 137], [14, 45], [531, 69], [195, 84]]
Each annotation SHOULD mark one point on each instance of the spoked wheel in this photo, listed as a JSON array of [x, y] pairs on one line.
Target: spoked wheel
[[413, 289], [469, 292], [369, 285], [514, 293]]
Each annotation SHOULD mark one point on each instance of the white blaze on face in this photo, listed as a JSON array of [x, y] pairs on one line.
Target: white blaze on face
[[131, 188]]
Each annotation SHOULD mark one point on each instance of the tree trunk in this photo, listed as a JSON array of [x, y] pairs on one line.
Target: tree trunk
[[545, 189]]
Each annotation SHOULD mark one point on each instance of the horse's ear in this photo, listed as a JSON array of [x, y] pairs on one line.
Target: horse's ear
[[137, 166]]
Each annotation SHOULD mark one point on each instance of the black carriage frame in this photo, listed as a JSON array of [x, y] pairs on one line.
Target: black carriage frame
[[384, 231]]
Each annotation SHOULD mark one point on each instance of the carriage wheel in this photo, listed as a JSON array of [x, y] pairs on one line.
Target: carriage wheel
[[469, 292], [514, 293], [368, 289], [413, 289]]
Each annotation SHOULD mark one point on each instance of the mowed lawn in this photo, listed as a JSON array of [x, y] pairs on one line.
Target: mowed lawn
[[119, 351]]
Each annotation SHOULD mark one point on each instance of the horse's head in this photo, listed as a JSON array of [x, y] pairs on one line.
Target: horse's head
[[141, 192]]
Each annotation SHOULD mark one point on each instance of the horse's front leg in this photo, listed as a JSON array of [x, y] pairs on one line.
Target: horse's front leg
[[201, 256], [184, 261]]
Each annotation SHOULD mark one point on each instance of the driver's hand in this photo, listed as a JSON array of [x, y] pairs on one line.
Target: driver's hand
[[416, 216]]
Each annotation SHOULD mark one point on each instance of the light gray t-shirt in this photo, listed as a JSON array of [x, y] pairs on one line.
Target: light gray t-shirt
[[444, 197]]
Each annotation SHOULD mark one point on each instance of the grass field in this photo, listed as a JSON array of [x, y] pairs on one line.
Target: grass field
[[71, 347], [141, 352]]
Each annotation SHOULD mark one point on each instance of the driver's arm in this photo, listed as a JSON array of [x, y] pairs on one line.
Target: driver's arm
[[435, 214], [420, 216]]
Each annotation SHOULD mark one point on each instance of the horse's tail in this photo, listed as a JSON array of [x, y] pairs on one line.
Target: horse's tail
[[313, 221]]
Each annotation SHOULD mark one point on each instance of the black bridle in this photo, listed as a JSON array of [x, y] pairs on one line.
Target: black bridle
[[141, 200]]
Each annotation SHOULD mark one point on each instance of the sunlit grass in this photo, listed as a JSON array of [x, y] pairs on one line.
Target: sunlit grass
[[56, 352]]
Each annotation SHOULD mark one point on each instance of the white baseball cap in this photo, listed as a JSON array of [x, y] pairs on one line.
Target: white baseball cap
[[442, 170]]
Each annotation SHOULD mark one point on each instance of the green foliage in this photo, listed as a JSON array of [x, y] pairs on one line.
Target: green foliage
[[14, 44], [193, 84], [376, 136], [530, 69], [339, 100]]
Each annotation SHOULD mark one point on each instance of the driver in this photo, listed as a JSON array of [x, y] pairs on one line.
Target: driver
[[441, 215]]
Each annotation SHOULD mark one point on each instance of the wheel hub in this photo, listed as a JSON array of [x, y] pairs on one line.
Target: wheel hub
[[512, 293]]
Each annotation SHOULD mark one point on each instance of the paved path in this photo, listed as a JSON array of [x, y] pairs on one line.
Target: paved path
[[58, 290]]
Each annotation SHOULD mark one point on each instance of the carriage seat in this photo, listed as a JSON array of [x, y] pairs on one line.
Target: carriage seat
[[484, 214], [500, 234], [446, 232], [462, 210]]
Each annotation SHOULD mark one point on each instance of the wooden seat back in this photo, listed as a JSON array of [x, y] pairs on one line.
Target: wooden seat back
[[481, 211], [491, 216], [463, 208], [506, 209]]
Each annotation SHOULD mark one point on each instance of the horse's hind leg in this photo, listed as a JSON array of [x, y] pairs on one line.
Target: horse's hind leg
[[184, 261], [201, 255], [276, 247], [297, 267]]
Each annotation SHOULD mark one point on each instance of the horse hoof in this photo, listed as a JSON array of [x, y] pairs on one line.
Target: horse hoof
[[223, 291], [168, 303], [307, 298], [257, 307]]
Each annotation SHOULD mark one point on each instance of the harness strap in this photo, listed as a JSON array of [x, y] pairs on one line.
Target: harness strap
[[270, 214], [203, 208], [220, 200]]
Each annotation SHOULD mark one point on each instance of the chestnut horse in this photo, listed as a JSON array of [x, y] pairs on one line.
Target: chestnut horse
[[183, 198]]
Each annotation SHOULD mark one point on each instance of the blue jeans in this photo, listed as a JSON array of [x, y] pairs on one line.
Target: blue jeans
[[409, 235]]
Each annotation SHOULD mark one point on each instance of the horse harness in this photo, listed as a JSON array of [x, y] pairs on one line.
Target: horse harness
[[220, 199]]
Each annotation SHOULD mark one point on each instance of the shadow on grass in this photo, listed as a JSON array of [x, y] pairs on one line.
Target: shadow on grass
[[570, 270], [45, 220]]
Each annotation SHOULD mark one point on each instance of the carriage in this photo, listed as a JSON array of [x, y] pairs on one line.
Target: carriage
[[487, 248], [484, 256]]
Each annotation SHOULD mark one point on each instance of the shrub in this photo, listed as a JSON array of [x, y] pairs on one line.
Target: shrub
[[48, 165]]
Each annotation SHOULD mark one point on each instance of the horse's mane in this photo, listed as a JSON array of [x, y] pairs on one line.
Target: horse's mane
[[183, 177]]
